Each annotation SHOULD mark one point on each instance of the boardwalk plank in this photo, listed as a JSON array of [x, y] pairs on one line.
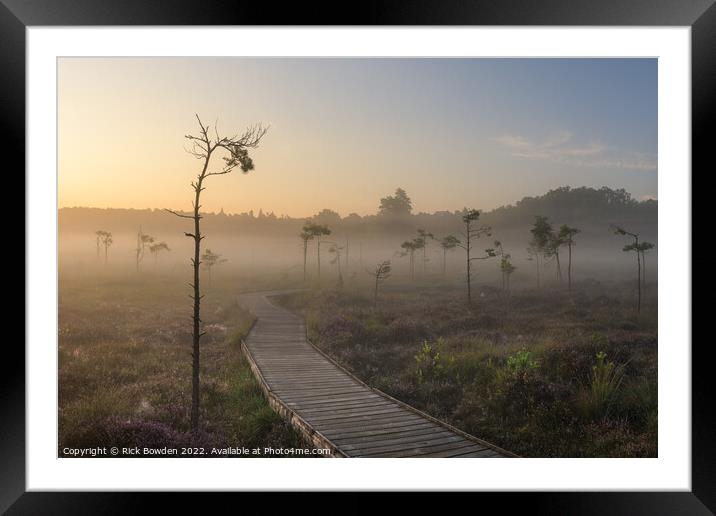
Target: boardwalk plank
[[378, 420], [354, 415], [355, 434], [337, 399], [372, 403], [334, 408], [402, 442], [434, 450], [375, 438]]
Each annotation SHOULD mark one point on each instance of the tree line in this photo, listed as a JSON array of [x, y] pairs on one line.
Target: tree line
[[546, 244], [395, 214]]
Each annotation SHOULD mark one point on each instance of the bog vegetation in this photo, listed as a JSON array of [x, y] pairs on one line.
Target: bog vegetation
[[541, 373], [125, 366], [526, 325]]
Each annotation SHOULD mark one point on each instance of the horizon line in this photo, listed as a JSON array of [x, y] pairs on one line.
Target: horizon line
[[377, 212]]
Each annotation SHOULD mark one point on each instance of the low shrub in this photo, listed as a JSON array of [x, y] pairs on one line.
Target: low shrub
[[597, 399], [431, 364], [539, 372]]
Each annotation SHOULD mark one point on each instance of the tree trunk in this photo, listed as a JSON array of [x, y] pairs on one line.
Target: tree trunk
[[318, 248], [444, 261], [346, 267], [569, 267], [375, 296], [559, 268], [305, 252], [196, 330], [539, 280], [137, 251], [469, 286], [638, 275], [105, 253]]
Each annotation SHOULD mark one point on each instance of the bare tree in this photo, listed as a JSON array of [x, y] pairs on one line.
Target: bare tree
[[418, 244], [306, 235], [143, 240], [98, 234], [566, 236], [335, 250], [533, 253], [547, 241], [448, 243], [639, 249], [554, 243], [424, 236], [381, 273], [538, 246], [409, 247], [104, 238], [155, 249], [204, 146], [317, 231], [346, 254], [506, 266], [499, 251], [644, 248], [209, 259], [470, 234]]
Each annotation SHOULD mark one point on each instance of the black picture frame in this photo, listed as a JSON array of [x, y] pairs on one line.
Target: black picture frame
[[700, 15]]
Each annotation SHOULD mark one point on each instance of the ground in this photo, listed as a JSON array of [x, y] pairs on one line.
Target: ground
[[125, 367], [540, 372]]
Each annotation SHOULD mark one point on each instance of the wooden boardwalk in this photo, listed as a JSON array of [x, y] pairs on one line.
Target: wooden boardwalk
[[335, 410]]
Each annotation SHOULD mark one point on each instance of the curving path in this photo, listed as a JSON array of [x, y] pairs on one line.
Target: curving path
[[332, 408]]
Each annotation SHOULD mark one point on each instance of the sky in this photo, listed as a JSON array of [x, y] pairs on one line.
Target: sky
[[344, 132]]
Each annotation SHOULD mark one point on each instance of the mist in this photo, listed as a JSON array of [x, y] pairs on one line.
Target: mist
[[264, 244]]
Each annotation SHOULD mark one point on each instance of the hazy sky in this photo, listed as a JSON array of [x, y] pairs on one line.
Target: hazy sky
[[454, 133]]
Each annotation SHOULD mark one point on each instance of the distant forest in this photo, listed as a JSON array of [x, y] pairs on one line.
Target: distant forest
[[581, 207]]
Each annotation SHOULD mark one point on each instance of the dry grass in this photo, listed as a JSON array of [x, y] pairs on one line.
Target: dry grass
[[125, 367], [518, 370]]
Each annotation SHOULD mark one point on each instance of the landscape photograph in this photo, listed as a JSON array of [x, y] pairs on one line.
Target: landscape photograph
[[357, 257]]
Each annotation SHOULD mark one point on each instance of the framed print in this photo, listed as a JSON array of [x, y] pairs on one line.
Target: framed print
[[425, 234]]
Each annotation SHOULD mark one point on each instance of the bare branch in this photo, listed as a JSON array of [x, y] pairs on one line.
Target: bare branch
[[179, 214], [194, 152], [225, 171], [203, 129]]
